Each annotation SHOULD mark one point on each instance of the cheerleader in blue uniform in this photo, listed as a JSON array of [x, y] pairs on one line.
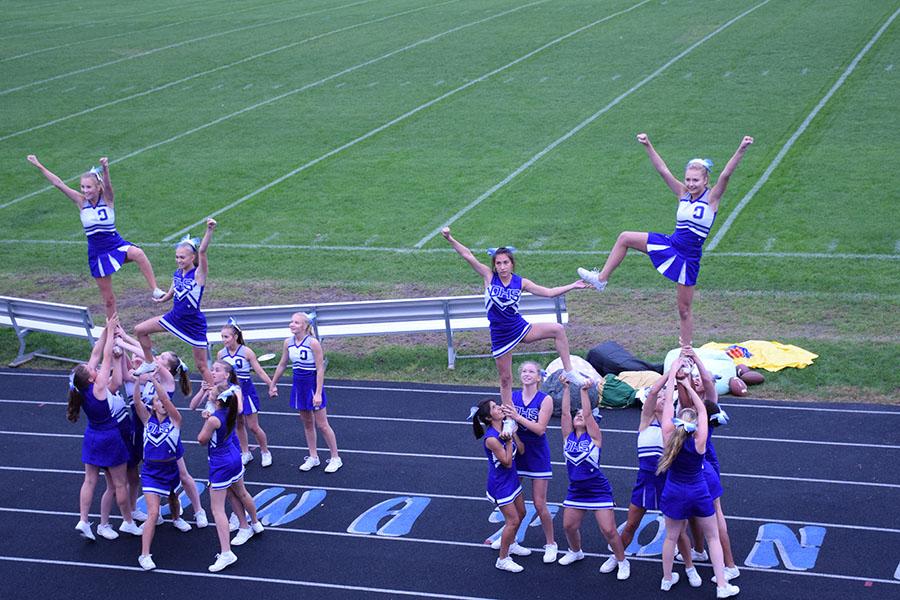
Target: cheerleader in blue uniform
[[532, 411], [242, 359], [160, 477], [103, 446], [686, 493], [308, 389], [226, 472], [107, 251], [589, 489], [503, 487], [185, 321], [502, 289], [676, 256]]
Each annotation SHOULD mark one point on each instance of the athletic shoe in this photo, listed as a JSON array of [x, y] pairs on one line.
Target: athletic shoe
[[624, 571], [146, 562], [609, 565], [181, 525], [146, 367], [246, 457], [257, 527], [667, 584], [159, 519], [222, 561], [139, 515], [200, 518], [509, 426], [518, 550], [508, 564], [728, 591], [309, 462], [266, 458], [242, 536], [693, 577], [233, 522], [575, 378], [85, 530], [157, 294], [131, 528], [730, 572], [333, 465], [592, 277], [107, 532], [550, 552], [699, 556], [569, 557], [495, 545]]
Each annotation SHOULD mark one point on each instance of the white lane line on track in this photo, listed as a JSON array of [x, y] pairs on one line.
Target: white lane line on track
[[790, 143], [253, 57], [273, 99], [409, 113], [465, 423], [163, 48], [582, 125], [261, 580], [481, 458], [524, 252]]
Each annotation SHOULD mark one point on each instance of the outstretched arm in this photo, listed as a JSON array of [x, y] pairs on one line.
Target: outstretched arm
[[718, 190], [203, 266], [106, 183], [587, 412], [565, 414], [700, 436], [73, 195], [659, 164], [539, 290], [480, 268], [649, 408]]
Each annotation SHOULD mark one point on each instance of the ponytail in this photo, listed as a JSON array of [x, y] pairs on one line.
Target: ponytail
[[74, 406], [235, 331], [179, 371], [79, 379], [481, 417], [676, 441], [229, 399]]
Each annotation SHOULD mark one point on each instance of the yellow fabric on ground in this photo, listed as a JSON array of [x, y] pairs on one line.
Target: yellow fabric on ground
[[639, 379], [771, 356]]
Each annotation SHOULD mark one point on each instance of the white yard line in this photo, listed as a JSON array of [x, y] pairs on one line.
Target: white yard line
[[582, 125], [166, 47], [247, 59], [790, 143], [406, 115]]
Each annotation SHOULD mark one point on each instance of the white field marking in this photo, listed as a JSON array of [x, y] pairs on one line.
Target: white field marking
[[261, 580], [789, 144], [766, 72], [287, 94], [466, 423], [543, 79], [770, 243], [217, 87], [538, 243], [126, 33], [340, 85], [889, 67], [582, 125], [173, 46], [616, 77], [247, 87], [271, 237], [804, 71], [439, 82], [897, 246], [481, 458], [412, 112], [479, 499], [373, 84], [70, 89], [832, 246], [727, 74], [246, 59]]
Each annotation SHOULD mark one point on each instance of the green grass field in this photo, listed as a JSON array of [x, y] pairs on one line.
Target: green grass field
[[331, 139]]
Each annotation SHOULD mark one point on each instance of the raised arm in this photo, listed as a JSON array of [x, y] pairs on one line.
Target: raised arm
[[273, 384], [203, 264], [199, 396], [649, 408], [700, 436], [101, 382], [480, 268], [539, 290], [73, 195], [97, 350], [709, 381], [587, 412], [668, 392], [718, 190], [108, 196], [659, 164], [565, 414], [163, 395], [140, 409]]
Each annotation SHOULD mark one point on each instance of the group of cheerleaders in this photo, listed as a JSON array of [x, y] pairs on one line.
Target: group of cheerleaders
[[674, 455]]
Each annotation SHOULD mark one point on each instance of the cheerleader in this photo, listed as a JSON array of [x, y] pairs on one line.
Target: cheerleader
[[107, 251], [242, 358], [103, 446], [185, 321], [308, 391], [589, 488], [160, 478], [676, 256], [503, 287], [226, 472], [503, 487], [532, 411], [686, 493]]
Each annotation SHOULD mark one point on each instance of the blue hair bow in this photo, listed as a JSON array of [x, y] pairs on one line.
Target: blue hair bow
[[192, 242], [310, 316], [72, 381], [700, 162], [688, 427], [720, 417], [233, 323], [472, 412], [182, 366], [493, 251], [97, 172]]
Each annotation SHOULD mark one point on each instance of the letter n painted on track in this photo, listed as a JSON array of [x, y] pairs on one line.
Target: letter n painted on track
[[797, 555], [403, 512]]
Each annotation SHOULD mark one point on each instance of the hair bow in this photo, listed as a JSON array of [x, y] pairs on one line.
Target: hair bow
[[700, 162], [233, 323], [97, 172], [543, 374], [226, 394], [493, 251], [472, 412], [182, 366], [720, 417], [310, 316], [688, 427], [596, 413], [192, 242], [72, 381]]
